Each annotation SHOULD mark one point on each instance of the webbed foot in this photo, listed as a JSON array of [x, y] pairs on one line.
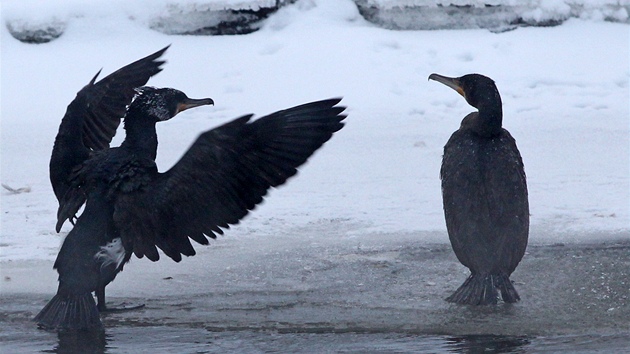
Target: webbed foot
[[122, 308]]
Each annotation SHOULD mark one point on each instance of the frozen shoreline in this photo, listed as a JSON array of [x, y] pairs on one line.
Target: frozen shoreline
[[395, 287], [333, 293]]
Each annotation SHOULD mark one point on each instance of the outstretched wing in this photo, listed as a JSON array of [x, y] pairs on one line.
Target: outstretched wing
[[223, 175], [92, 118]]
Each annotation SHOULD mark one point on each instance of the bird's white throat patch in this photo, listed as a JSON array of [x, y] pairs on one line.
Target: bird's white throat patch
[[111, 253]]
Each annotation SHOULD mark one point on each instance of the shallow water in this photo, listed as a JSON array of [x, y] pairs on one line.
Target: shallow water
[[380, 297], [181, 339]]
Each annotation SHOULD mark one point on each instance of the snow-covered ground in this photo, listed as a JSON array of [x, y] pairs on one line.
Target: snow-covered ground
[[565, 91]]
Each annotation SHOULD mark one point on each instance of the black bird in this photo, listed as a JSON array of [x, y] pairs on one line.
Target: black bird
[[131, 208], [484, 194]]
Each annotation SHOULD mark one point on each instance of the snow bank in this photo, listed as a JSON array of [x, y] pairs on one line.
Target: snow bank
[[566, 102]]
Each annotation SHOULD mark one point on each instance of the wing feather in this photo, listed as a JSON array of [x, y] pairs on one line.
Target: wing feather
[[92, 118], [223, 175]]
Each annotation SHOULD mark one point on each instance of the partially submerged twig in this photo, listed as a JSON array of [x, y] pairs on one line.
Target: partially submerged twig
[[16, 191]]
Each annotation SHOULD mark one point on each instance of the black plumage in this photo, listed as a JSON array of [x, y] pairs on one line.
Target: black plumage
[[92, 118], [131, 208], [484, 193]]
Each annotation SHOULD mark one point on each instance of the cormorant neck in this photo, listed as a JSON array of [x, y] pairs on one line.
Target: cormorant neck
[[140, 134], [488, 121]]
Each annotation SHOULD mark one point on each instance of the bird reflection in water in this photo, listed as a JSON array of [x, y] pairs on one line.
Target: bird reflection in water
[[86, 341], [487, 344]]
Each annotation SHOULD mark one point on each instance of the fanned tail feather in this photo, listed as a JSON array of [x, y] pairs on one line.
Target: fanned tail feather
[[481, 289], [508, 292], [70, 312]]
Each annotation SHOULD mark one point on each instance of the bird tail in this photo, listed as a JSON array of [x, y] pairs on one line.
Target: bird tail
[[481, 289], [70, 312]]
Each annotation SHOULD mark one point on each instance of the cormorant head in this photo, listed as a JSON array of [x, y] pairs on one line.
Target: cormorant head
[[164, 103], [478, 90]]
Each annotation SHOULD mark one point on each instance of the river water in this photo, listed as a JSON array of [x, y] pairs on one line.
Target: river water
[[379, 297]]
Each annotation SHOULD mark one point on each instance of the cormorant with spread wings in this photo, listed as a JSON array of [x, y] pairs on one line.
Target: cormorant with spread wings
[[131, 208]]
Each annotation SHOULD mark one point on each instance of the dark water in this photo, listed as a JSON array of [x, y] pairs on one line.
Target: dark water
[[151, 339], [377, 299]]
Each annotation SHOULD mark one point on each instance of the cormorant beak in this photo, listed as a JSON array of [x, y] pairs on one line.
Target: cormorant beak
[[452, 82], [192, 103]]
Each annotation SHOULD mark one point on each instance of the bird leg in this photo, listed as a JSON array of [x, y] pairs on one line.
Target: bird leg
[[100, 298], [102, 308]]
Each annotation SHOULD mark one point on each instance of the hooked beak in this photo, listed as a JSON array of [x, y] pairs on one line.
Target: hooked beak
[[192, 103], [452, 82]]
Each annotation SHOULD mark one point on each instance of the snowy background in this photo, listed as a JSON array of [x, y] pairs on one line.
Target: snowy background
[[565, 91]]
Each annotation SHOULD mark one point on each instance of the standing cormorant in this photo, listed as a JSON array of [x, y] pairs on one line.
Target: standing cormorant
[[484, 194], [131, 208]]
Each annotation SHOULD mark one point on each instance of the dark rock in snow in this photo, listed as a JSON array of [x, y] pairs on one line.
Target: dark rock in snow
[[208, 20], [217, 17], [497, 18], [36, 33], [202, 18]]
